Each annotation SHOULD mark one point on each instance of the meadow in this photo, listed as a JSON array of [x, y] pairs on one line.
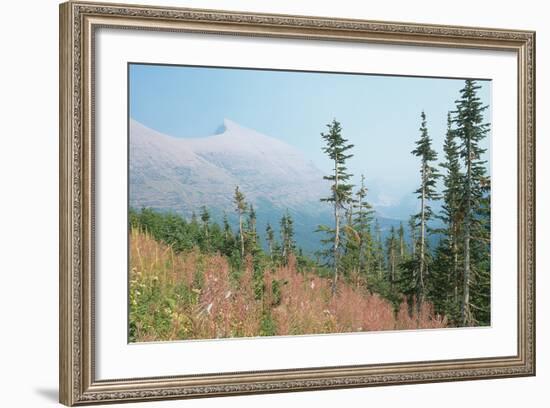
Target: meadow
[[189, 294]]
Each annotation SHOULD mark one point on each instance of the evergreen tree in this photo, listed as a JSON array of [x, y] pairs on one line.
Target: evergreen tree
[[251, 234], [205, 218], [470, 131], [425, 193], [378, 251], [270, 238], [402, 244], [409, 266], [480, 290], [253, 248], [228, 238], [336, 148], [194, 230], [287, 237], [392, 257], [350, 242], [452, 213], [227, 231], [240, 208], [349, 257], [364, 215]]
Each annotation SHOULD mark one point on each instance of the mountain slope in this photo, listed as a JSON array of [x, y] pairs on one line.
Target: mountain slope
[[164, 172], [183, 174]]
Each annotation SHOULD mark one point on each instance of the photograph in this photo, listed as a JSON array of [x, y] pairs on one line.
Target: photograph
[[268, 202]]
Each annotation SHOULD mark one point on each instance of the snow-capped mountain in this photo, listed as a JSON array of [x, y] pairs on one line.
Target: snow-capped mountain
[[183, 174]]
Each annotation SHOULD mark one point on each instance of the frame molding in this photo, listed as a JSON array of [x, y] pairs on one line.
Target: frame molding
[[78, 21]]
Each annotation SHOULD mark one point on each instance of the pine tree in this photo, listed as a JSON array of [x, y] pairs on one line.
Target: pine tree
[[425, 193], [270, 238], [470, 131], [336, 148], [194, 229], [378, 250], [452, 214], [480, 291], [252, 248], [392, 257], [251, 234], [349, 261], [409, 266], [228, 238], [240, 207], [287, 237], [227, 232], [205, 218], [364, 215], [402, 244]]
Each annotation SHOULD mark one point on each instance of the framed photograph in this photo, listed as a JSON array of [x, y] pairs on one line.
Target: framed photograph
[[255, 203]]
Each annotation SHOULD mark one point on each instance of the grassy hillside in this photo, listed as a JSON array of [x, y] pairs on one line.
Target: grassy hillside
[[190, 294]]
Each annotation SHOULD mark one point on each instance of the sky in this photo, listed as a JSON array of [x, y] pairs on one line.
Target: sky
[[380, 115]]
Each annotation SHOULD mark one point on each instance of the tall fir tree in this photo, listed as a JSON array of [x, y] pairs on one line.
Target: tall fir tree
[[349, 261], [364, 214], [378, 258], [409, 265], [288, 245], [425, 193], [447, 267], [251, 233], [253, 248], [470, 131], [194, 229], [480, 291], [392, 255], [205, 219], [402, 244], [228, 238], [240, 208], [270, 238], [337, 149], [227, 232]]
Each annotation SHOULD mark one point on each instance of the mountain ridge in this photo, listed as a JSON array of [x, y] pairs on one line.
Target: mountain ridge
[[262, 166]]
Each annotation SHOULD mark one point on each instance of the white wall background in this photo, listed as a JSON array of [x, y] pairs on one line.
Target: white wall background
[[28, 203]]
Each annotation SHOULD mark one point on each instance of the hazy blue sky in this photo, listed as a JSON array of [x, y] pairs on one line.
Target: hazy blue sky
[[380, 115]]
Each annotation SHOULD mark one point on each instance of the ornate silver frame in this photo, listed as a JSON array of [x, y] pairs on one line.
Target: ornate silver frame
[[78, 22]]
